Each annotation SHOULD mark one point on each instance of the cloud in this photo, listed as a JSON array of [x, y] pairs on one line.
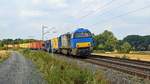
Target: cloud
[[57, 3], [83, 7], [31, 13], [24, 16], [51, 3], [88, 8], [85, 1], [36, 2]]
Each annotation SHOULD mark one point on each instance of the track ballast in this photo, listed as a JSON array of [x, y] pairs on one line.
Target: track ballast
[[132, 67]]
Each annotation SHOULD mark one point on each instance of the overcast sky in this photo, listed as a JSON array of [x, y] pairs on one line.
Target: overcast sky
[[23, 18]]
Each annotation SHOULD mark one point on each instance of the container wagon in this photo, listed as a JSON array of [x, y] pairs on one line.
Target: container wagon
[[55, 46], [37, 45], [23, 45], [47, 46]]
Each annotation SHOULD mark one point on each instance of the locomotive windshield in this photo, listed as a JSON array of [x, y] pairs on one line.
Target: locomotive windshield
[[82, 35]]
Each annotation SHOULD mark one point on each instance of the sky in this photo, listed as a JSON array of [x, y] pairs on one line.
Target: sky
[[24, 18]]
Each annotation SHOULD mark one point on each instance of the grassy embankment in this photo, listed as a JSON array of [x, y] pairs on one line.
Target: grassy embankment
[[4, 55], [57, 71], [134, 56]]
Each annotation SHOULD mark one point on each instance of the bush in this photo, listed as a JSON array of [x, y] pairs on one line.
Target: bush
[[125, 57], [4, 55], [57, 71], [99, 51]]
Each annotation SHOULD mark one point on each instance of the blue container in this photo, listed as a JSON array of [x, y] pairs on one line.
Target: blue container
[[47, 46]]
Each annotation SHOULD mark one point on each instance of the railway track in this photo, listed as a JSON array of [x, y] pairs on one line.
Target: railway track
[[139, 62], [132, 67]]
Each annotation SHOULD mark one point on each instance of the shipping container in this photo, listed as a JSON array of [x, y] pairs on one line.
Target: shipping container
[[16, 46], [55, 43], [47, 46], [21, 45], [10, 46], [65, 41], [27, 45], [36, 45]]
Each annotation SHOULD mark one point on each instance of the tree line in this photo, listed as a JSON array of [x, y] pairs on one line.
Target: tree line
[[14, 41], [105, 41]]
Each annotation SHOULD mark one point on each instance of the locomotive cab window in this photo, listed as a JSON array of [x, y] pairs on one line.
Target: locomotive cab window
[[82, 35]]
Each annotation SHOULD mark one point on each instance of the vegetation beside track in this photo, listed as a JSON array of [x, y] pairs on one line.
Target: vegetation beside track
[[57, 71], [4, 55], [142, 57]]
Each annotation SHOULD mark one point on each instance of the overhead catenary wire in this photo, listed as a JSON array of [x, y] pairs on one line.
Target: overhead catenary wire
[[87, 6], [121, 5], [90, 13], [97, 10], [48, 31], [121, 15]]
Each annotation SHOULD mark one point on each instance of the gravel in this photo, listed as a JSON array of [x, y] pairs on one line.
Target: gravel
[[115, 77], [18, 70]]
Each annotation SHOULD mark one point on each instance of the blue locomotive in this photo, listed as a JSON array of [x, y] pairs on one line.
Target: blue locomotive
[[78, 43]]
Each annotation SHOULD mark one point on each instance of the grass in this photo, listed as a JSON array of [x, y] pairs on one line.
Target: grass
[[4, 55], [125, 57], [57, 71], [142, 57]]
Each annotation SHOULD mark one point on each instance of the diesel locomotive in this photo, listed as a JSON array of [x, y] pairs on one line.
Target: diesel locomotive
[[78, 43]]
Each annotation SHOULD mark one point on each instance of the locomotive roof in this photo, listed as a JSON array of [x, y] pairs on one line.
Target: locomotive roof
[[77, 31], [81, 30]]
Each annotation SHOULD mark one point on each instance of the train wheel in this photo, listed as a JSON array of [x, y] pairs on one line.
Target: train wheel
[[69, 52]]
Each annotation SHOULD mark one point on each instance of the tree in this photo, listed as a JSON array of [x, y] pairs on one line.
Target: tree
[[119, 44], [15, 41], [126, 47], [106, 41], [148, 47], [139, 43], [1, 45]]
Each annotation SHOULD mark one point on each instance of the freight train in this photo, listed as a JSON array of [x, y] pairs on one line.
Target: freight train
[[78, 43], [35, 45]]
